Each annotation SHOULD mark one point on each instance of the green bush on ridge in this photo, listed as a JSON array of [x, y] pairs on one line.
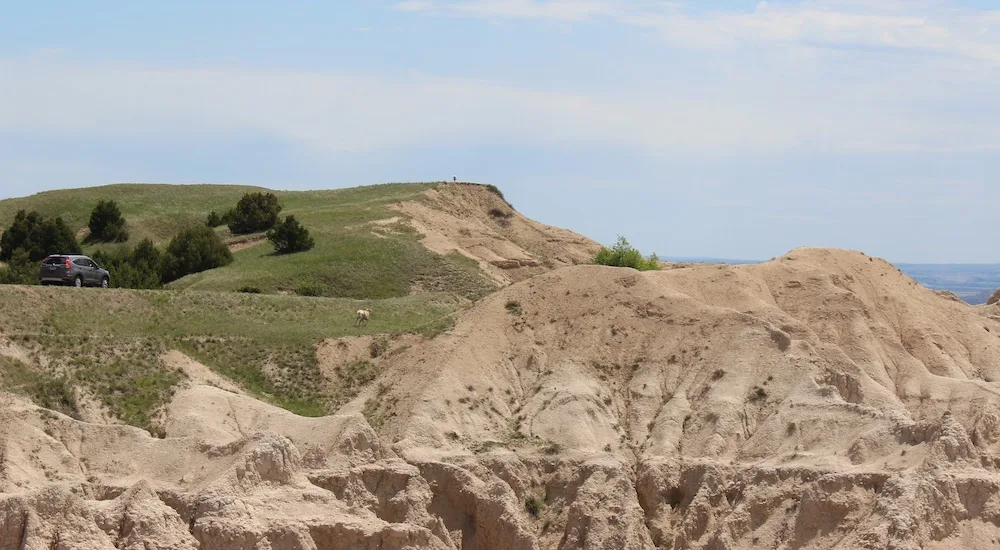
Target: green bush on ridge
[[622, 254]]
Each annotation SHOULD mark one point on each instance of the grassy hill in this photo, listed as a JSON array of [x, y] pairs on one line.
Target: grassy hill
[[86, 350], [107, 346], [347, 261], [110, 342]]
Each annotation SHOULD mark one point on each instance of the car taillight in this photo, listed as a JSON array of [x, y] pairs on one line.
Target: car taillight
[[68, 265]]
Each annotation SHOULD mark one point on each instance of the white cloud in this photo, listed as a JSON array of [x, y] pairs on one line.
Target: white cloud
[[564, 10], [818, 75], [334, 111], [929, 26], [754, 111], [414, 5]]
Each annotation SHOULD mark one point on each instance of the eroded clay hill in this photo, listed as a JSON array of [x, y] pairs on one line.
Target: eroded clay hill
[[480, 225], [821, 400]]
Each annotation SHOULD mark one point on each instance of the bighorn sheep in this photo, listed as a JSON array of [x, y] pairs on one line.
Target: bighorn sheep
[[363, 316]]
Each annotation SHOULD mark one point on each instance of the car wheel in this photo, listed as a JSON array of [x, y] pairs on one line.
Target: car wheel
[[78, 282], [104, 282]]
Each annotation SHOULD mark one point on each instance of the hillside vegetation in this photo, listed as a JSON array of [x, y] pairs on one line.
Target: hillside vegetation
[[368, 252], [109, 343], [348, 259]]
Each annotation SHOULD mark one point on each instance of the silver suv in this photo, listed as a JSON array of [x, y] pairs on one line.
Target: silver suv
[[73, 269]]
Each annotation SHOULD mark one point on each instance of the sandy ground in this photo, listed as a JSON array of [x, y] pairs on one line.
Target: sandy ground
[[821, 400]]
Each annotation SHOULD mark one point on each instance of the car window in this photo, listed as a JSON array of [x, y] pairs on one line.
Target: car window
[[53, 260], [80, 262]]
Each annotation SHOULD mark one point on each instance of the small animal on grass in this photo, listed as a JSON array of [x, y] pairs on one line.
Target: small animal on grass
[[363, 316]]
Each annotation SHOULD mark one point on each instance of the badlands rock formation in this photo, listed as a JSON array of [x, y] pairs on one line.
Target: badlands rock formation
[[820, 400], [480, 225]]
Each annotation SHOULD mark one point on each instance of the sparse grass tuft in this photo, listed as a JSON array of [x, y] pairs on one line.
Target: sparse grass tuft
[[370, 412], [309, 289], [552, 448], [496, 191], [378, 347], [534, 506], [44, 389], [501, 217]]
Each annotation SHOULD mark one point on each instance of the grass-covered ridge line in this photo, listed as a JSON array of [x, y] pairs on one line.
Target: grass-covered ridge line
[[347, 260], [110, 341]]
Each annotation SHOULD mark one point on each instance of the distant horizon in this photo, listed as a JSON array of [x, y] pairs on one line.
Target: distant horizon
[[691, 258], [710, 259]]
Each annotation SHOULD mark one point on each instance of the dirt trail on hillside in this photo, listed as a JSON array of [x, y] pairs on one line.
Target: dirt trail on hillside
[[821, 400]]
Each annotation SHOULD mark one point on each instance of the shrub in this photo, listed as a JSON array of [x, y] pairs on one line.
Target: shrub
[[552, 448], [214, 219], [309, 289], [624, 255], [501, 217], [533, 505], [513, 307], [255, 212], [378, 347], [20, 270], [38, 237], [192, 251], [107, 224], [140, 267], [290, 237], [496, 191]]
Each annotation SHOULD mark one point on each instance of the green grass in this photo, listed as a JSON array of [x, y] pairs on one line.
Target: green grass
[[154, 211], [110, 341], [347, 261], [44, 389]]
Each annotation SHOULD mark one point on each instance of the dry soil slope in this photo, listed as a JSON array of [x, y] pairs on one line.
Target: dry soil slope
[[821, 400], [481, 225]]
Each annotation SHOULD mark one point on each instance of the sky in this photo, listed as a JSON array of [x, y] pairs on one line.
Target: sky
[[720, 128]]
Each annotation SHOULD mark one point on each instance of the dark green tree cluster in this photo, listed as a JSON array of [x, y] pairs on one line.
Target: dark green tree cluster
[[290, 236], [259, 212], [107, 224], [255, 212], [194, 250], [138, 267], [214, 219], [37, 237], [145, 266], [20, 270], [30, 238]]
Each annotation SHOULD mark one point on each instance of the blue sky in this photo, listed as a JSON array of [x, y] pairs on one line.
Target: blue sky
[[726, 129]]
